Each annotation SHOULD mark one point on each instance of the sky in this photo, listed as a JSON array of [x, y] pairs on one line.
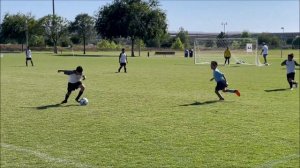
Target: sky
[[192, 15]]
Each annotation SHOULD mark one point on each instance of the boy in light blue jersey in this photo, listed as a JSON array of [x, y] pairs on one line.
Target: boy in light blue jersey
[[222, 84]]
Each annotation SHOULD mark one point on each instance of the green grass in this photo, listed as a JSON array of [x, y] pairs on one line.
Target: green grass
[[162, 113]]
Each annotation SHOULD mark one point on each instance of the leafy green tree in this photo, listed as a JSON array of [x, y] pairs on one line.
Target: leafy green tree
[[296, 42], [178, 44], [136, 19], [55, 28], [106, 44], [221, 35], [209, 43], [75, 39], [220, 41], [245, 34], [166, 40], [83, 26], [37, 40], [289, 41], [184, 37], [15, 27], [269, 39], [153, 42]]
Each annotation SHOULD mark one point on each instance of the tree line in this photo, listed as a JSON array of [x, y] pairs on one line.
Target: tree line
[[141, 22]]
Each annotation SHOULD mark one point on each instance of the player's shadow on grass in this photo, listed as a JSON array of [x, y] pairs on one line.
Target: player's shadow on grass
[[196, 103], [53, 106], [277, 90], [87, 55]]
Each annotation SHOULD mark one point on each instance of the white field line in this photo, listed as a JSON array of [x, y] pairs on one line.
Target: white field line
[[45, 156], [273, 163]]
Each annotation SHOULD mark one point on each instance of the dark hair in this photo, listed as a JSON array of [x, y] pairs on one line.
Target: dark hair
[[79, 69], [214, 63], [291, 55]]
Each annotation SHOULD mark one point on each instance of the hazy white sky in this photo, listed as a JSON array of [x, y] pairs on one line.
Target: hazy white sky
[[192, 15]]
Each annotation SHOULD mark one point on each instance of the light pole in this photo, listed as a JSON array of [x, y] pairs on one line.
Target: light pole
[[54, 24], [282, 40], [53, 8], [26, 22], [224, 25]]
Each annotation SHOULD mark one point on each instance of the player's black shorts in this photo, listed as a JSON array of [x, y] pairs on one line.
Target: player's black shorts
[[221, 85], [290, 76], [28, 59], [122, 64], [73, 86]]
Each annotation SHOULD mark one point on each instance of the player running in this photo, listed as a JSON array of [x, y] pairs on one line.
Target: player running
[[222, 84], [290, 64]]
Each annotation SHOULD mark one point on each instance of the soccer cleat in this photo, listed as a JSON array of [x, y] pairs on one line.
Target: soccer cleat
[[295, 85], [237, 92], [65, 101], [77, 100], [221, 99]]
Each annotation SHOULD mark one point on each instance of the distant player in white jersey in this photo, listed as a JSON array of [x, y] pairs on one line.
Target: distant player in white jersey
[[290, 64], [265, 52], [74, 83], [28, 56], [123, 60]]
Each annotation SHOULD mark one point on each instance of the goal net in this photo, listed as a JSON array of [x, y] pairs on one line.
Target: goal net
[[243, 50]]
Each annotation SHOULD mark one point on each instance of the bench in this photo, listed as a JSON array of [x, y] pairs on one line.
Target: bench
[[164, 53]]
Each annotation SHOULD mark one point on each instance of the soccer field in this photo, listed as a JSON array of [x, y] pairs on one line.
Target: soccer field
[[162, 113]]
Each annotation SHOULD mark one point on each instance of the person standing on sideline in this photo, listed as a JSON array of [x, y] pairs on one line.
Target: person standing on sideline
[[264, 52], [227, 55], [74, 82], [123, 60], [222, 84], [28, 55], [290, 64], [186, 53], [191, 52]]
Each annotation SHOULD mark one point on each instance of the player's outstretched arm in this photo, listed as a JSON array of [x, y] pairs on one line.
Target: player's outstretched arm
[[66, 72], [58, 71], [83, 77], [284, 63], [296, 63]]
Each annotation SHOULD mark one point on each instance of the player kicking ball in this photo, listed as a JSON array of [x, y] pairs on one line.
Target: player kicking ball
[[290, 64], [74, 83], [222, 84]]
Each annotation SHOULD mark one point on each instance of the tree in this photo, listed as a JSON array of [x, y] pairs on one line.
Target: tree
[[55, 27], [14, 28], [184, 37], [269, 39], [220, 39], [221, 35], [178, 44], [83, 26], [296, 42], [136, 19], [245, 34], [106, 44]]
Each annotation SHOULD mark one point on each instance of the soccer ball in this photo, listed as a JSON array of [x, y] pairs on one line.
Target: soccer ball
[[84, 101]]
